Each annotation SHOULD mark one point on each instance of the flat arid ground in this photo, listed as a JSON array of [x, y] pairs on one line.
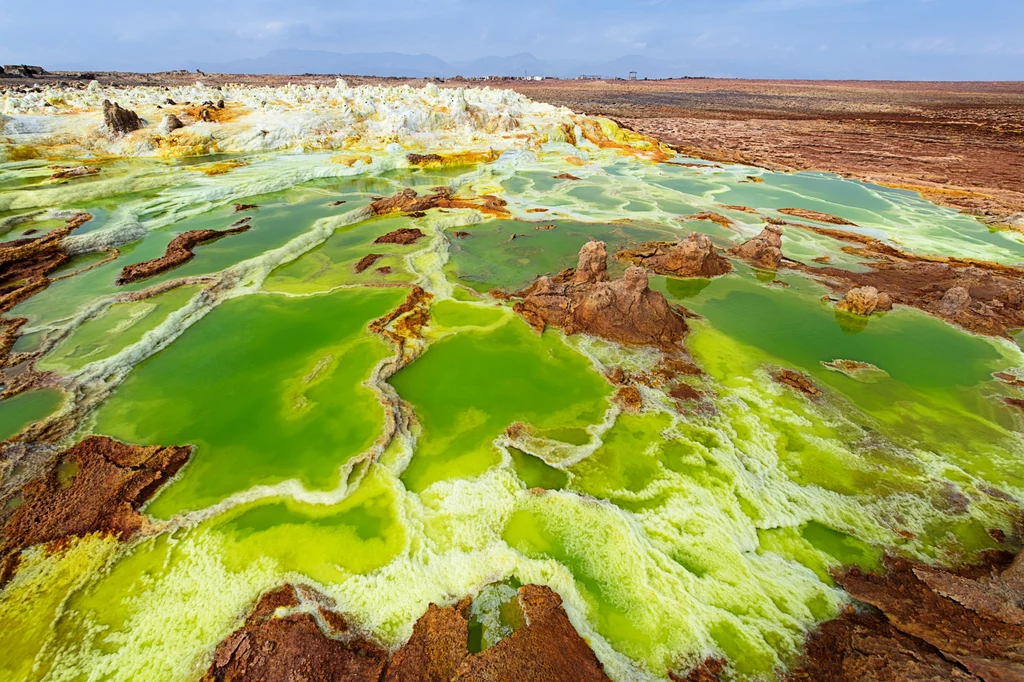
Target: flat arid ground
[[960, 144]]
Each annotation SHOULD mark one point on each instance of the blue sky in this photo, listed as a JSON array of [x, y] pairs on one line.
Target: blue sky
[[924, 39]]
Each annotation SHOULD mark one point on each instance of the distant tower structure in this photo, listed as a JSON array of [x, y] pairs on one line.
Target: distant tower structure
[[632, 75]]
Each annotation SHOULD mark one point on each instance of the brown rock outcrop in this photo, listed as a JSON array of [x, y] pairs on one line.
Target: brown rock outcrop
[[629, 399], [120, 121], [367, 260], [980, 296], [245, 207], [864, 301], [716, 218], [178, 252], [292, 647], [404, 235], [170, 123], [407, 201], [112, 482], [708, 671], [818, 216], [546, 650], [438, 645], [565, 176], [693, 257], [24, 263], [584, 300], [763, 250], [796, 381]]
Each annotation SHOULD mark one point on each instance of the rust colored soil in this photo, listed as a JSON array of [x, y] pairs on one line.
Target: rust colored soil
[[808, 214], [178, 252], [292, 646], [625, 310], [438, 645], [112, 482], [368, 260]]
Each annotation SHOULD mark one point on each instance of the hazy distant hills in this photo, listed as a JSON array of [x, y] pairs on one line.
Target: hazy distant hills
[[294, 61]]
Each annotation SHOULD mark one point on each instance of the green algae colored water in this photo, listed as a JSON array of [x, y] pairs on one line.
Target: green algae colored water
[[482, 455]]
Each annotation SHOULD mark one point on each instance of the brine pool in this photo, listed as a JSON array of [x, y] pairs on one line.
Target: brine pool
[[670, 535]]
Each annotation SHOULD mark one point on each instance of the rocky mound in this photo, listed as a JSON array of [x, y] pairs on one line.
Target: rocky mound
[[693, 257], [282, 640], [112, 482], [24, 263], [178, 252], [818, 216], [931, 624], [864, 301], [120, 121], [763, 250], [584, 300]]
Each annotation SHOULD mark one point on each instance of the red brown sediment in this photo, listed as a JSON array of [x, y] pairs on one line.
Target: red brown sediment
[[367, 260], [407, 201], [1015, 402], [808, 214], [337, 203], [796, 381], [385, 270], [178, 252], [547, 648], [438, 645], [583, 300], [629, 399], [69, 172], [693, 257], [245, 207], [404, 236], [1010, 379], [537, 210], [546, 227], [763, 250], [25, 263], [461, 234], [112, 482], [406, 322], [293, 647], [684, 391], [565, 176], [743, 209], [717, 218]]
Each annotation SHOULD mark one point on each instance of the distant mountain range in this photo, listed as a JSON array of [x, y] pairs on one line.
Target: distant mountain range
[[294, 62]]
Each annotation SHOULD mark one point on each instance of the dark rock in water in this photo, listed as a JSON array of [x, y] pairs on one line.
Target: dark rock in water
[[368, 260], [112, 482], [565, 176], [439, 644], [625, 310], [293, 647], [764, 250], [120, 121], [245, 207], [337, 203], [404, 235], [461, 234], [169, 123], [24, 263], [178, 252], [818, 216], [693, 257], [66, 172]]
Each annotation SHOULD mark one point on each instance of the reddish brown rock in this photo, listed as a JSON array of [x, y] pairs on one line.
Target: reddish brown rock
[[864, 301], [693, 257], [424, 159], [245, 207], [974, 617], [120, 121], [406, 322], [717, 218], [684, 391], [796, 381], [278, 643], [743, 209], [764, 250], [818, 216], [864, 647], [111, 483], [461, 234], [385, 270], [403, 235], [566, 176], [584, 300], [1009, 379], [438, 645], [407, 201], [367, 260], [548, 649], [629, 399], [708, 671], [178, 252]]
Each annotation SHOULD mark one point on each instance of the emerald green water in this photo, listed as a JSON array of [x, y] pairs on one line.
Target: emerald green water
[[485, 455]]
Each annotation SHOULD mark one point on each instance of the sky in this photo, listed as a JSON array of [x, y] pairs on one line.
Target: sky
[[871, 39]]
